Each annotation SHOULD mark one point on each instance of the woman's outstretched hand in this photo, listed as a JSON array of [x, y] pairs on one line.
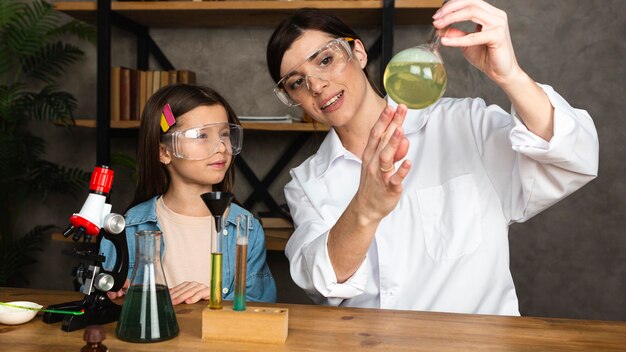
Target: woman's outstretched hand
[[378, 194], [489, 48], [381, 183]]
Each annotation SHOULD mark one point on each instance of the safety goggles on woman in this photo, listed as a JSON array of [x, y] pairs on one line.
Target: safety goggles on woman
[[204, 141], [324, 64]]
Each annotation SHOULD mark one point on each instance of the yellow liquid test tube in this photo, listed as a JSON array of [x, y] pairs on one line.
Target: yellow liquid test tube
[[216, 281]]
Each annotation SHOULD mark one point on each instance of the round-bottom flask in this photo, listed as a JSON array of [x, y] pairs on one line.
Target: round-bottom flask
[[416, 77]]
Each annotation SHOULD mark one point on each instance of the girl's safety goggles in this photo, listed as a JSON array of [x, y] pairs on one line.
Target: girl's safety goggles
[[204, 141]]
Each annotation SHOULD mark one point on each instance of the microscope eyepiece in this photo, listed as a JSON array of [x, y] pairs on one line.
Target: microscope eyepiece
[[101, 180]]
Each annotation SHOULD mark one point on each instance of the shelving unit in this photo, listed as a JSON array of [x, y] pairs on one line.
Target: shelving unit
[[138, 17], [253, 126], [251, 13]]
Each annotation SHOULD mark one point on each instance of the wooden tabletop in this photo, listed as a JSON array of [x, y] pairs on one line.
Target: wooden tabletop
[[317, 328]]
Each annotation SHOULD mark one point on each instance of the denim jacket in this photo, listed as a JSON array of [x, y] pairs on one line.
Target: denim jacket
[[260, 286]]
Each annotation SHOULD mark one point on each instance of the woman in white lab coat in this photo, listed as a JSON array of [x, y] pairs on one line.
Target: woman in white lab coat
[[409, 209]]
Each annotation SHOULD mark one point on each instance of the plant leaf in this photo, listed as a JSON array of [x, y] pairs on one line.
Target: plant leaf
[[50, 61], [16, 253], [51, 105], [126, 164], [12, 106], [48, 177], [31, 52], [80, 29], [26, 34], [9, 11]]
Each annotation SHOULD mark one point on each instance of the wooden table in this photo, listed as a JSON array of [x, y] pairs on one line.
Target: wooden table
[[317, 328]]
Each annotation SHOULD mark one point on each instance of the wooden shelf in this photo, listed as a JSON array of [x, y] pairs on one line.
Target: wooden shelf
[[249, 13], [251, 126], [277, 233]]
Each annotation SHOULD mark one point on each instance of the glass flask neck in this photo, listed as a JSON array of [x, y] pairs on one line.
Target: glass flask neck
[[148, 246], [148, 266], [434, 39]]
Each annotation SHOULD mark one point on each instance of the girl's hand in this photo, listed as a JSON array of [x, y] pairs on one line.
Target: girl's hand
[[121, 292], [489, 48], [381, 184], [189, 292]]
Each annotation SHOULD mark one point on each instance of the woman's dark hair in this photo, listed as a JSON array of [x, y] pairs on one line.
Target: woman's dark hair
[[153, 178], [294, 26]]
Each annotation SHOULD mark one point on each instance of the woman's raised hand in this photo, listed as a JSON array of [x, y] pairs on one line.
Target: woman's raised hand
[[381, 183], [489, 48]]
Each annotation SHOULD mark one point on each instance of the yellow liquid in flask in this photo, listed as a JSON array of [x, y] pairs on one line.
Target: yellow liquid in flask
[[416, 80]]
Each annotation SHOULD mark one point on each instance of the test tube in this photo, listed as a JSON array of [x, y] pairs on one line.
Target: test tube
[[216, 266], [217, 202], [241, 259]]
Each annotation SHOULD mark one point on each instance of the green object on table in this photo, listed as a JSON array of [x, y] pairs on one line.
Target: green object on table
[[147, 313], [56, 311]]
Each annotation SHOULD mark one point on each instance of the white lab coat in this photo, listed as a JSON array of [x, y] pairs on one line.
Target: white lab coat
[[476, 169]]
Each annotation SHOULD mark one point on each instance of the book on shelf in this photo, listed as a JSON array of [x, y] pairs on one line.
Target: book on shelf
[[186, 76], [125, 94], [165, 78], [131, 89], [156, 81], [134, 94], [142, 92], [115, 93], [173, 76], [149, 79]]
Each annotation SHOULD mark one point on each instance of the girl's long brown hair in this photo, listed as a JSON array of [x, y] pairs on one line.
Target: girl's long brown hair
[[153, 178]]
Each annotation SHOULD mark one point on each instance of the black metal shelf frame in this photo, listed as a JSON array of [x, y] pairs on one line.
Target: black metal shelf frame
[[146, 46]]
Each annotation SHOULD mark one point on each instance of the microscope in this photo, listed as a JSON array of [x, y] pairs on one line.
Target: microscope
[[95, 219]]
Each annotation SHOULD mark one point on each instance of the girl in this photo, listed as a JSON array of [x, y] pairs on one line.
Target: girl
[[194, 156], [414, 213]]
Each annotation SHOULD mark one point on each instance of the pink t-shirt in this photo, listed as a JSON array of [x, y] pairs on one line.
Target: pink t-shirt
[[187, 246]]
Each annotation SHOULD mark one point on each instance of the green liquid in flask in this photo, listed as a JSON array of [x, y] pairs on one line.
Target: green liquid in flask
[[149, 317], [216, 281]]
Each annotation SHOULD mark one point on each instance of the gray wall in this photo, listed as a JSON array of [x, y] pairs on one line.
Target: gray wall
[[569, 261]]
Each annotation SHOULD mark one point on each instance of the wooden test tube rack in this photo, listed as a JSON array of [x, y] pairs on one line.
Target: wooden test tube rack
[[255, 324]]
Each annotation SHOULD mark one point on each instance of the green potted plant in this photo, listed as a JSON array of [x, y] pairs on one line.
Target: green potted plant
[[32, 57]]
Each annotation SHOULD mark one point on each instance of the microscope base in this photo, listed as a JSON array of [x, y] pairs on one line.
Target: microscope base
[[98, 309]]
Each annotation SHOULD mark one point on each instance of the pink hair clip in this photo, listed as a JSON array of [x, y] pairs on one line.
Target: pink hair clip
[[167, 118]]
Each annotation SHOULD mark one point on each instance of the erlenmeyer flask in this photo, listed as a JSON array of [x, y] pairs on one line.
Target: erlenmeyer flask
[[416, 76], [147, 313]]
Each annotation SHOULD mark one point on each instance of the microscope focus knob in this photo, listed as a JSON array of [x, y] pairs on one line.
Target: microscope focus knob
[[114, 223], [104, 282]]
